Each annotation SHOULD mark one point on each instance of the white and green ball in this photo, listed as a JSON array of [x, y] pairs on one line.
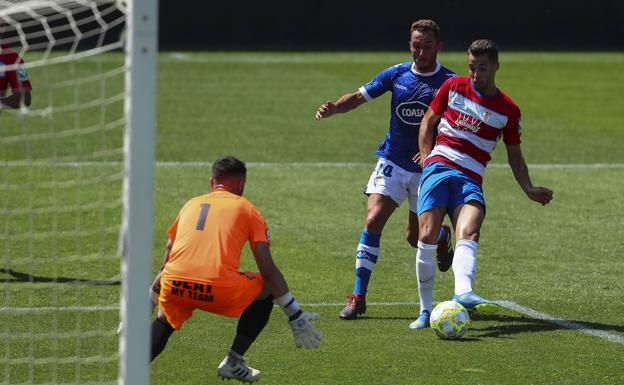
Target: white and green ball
[[449, 320]]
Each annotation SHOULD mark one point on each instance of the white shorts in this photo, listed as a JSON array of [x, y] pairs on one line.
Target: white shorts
[[395, 182]]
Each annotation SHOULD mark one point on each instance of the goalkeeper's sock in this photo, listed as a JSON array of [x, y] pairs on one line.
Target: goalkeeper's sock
[[161, 331], [250, 324], [465, 265], [365, 260], [425, 273]]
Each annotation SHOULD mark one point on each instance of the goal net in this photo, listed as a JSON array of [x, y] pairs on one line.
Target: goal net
[[63, 159]]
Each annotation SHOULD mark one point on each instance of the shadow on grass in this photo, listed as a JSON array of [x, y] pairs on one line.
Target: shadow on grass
[[510, 325], [506, 326], [25, 277], [376, 318]]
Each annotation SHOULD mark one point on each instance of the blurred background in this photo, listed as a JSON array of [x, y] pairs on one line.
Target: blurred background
[[384, 25]]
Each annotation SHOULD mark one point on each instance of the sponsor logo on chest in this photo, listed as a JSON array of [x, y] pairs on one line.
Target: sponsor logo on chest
[[411, 112], [468, 123]]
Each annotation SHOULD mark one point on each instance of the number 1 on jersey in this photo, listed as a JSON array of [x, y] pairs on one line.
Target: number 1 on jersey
[[203, 214]]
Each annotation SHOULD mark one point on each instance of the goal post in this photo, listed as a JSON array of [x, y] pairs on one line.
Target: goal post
[[136, 237], [76, 190]]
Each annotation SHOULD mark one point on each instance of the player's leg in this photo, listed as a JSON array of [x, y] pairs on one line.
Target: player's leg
[[161, 331], [429, 225], [172, 313], [468, 217], [444, 252], [380, 208], [386, 189], [251, 322], [431, 208]]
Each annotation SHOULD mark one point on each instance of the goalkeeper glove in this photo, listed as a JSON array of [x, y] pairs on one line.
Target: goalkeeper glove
[[304, 332]]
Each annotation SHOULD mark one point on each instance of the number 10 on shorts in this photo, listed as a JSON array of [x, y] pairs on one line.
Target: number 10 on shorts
[[386, 170]]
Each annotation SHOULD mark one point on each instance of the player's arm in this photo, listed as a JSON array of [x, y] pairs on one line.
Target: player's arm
[[305, 334], [345, 103], [520, 171], [16, 100], [425, 135], [270, 272], [155, 288]]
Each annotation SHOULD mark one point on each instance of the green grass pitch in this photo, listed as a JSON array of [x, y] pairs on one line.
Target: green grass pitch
[[307, 177]]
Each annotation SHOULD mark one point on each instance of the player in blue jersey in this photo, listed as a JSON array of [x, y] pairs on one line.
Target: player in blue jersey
[[413, 85]]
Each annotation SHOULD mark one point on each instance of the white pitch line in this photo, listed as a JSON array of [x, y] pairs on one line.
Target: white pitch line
[[331, 304], [611, 337], [55, 309], [185, 164]]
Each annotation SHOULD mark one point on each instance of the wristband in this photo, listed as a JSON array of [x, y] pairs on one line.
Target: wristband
[[289, 304]]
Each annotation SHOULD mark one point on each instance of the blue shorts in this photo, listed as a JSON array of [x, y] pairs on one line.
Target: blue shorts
[[442, 186]]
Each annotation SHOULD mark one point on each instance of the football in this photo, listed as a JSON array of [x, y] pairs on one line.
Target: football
[[449, 320]]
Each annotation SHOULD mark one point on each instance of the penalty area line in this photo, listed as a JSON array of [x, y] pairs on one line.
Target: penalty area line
[[611, 337]]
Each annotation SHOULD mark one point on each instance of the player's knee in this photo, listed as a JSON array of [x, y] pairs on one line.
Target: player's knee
[[468, 234], [427, 233]]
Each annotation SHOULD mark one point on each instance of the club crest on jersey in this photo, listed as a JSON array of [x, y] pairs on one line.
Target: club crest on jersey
[[466, 122], [411, 112]]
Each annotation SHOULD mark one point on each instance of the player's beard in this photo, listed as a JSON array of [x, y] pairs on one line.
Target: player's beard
[[423, 64]]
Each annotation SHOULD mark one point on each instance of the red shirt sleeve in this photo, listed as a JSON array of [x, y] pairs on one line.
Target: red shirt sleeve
[[513, 129], [440, 101]]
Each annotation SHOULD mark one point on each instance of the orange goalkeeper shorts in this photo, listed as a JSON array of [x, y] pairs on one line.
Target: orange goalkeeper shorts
[[178, 298]]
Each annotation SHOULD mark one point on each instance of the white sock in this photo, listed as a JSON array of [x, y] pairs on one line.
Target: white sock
[[425, 273], [465, 265]]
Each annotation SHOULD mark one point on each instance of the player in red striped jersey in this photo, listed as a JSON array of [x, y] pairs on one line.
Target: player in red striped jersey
[[13, 75], [473, 114]]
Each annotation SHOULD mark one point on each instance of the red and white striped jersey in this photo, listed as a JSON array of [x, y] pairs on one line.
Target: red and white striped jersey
[[471, 125], [14, 77]]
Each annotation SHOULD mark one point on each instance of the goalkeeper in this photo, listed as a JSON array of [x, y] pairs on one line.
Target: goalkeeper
[[12, 75], [201, 271]]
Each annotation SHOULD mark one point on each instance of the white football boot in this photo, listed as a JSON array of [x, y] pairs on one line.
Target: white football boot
[[240, 371]]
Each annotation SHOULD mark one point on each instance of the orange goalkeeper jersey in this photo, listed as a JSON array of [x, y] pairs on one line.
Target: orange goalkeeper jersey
[[208, 236]]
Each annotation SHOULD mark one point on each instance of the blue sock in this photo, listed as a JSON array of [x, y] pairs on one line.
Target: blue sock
[[365, 260]]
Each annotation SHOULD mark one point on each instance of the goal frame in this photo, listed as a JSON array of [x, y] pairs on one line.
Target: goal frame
[[139, 149]]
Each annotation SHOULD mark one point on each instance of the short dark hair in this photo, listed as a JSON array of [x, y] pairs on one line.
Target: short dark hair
[[228, 166], [484, 47], [426, 25]]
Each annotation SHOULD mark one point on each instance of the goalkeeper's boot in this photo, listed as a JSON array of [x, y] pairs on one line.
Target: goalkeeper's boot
[[472, 302], [445, 251], [355, 307], [237, 370], [422, 322]]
